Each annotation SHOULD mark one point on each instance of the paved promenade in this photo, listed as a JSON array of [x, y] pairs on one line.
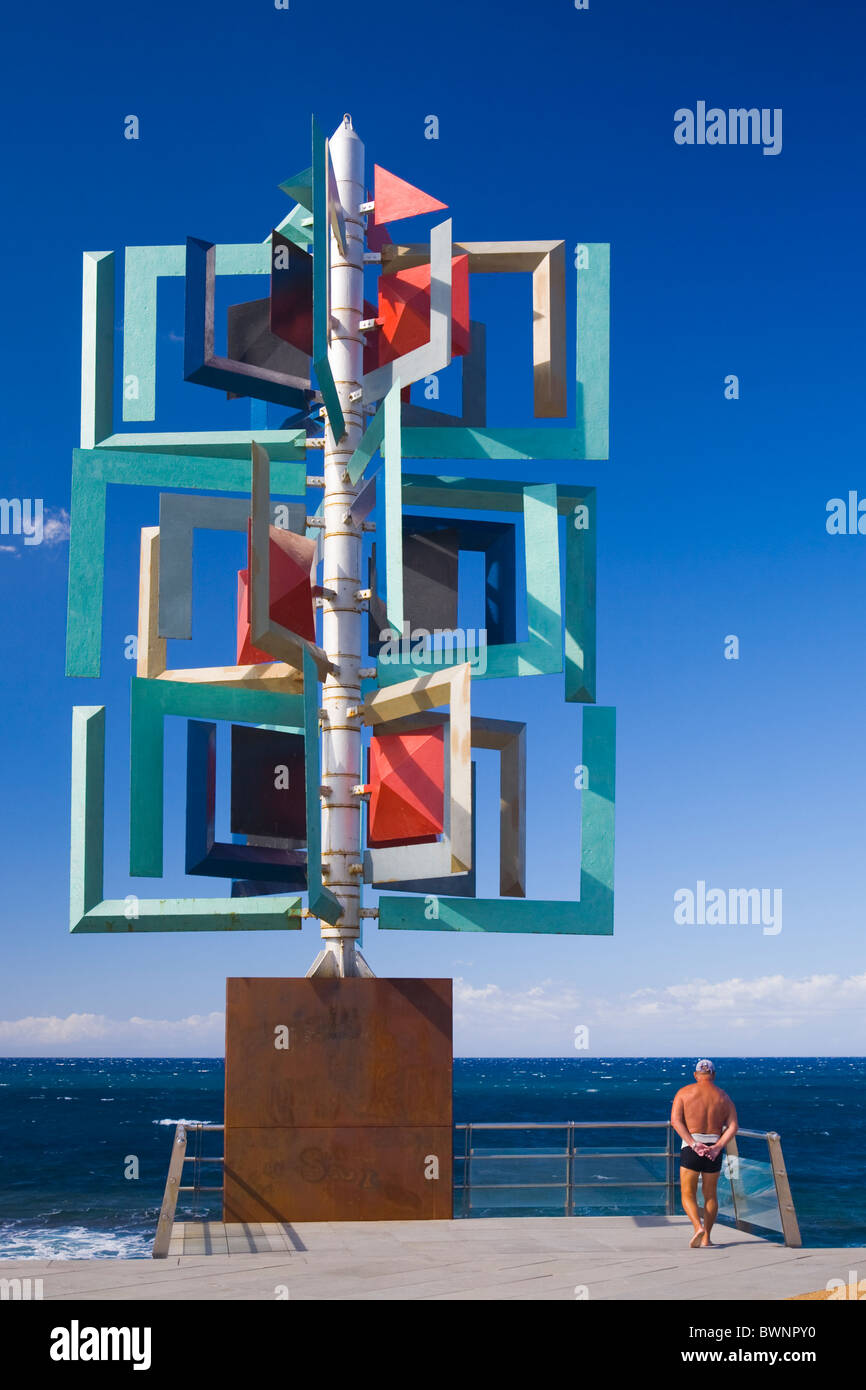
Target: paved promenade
[[509, 1258]]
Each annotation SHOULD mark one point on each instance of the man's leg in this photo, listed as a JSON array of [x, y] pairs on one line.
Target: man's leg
[[709, 1186], [689, 1195]]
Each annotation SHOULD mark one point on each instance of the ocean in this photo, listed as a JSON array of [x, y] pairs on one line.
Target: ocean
[[85, 1142]]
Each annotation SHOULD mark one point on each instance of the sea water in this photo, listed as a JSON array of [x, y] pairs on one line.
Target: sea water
[[85, 1142]]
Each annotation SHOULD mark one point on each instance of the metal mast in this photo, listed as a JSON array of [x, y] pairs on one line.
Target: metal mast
[[343, 613]]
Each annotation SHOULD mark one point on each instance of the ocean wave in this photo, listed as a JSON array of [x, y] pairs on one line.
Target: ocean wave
[[72, 1243], [183, 1122]]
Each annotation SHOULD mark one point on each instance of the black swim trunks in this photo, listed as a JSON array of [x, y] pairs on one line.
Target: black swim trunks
[[697, 1164]]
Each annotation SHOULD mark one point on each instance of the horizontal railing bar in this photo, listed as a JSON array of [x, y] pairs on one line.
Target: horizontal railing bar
[[206, 1127], [199, 1189], [194, 1158], [595, 1124], [569, 1124], [557, 1186], [574, 1153]]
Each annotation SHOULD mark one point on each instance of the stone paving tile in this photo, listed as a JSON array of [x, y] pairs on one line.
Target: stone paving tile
[[507, 1258]]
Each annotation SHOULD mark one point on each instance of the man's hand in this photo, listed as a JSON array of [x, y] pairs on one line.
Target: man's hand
[[713, 1151], [701, 1150]]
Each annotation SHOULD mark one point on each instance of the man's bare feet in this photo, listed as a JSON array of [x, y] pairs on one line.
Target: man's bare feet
[[697, 1238], [706, 1243]]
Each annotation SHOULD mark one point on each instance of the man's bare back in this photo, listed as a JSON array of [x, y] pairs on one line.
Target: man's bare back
[[706, 1107], [705, 1118]]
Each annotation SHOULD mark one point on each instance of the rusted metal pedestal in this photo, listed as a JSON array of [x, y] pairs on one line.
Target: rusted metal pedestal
[[338, 1100]]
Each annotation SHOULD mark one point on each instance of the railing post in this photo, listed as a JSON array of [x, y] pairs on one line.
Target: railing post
[[790, 1225], [569, 1172], [169, 1202], [467, 1160], [669, 1169]]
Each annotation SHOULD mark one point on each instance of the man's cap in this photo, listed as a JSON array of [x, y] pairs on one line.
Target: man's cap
[[704, 1065]]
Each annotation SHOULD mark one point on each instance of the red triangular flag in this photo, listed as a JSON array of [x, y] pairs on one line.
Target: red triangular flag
[[395, 198]]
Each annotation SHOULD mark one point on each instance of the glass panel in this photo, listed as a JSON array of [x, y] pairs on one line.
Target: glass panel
[[519, 1169], [517, 1201], [747, 1192], [623, 1168], [620, 1201]]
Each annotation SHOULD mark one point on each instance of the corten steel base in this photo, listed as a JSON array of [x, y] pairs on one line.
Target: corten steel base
[[345, 1122]]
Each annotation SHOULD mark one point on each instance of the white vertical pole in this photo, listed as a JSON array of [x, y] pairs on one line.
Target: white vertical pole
[[342, 617]]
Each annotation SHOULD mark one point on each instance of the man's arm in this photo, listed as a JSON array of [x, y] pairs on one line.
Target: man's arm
[[728, 1133], [678, 1120]]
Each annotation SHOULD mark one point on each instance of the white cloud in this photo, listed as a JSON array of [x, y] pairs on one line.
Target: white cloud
[[96, 1035], [812, 1015], [55, 527], [773, 1014]]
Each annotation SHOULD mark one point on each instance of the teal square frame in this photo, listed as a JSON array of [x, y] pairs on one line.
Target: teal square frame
[[145, 265], [591, 915], [152, 700], [92, 471], [89, 912], [542, 652], [488, 494]]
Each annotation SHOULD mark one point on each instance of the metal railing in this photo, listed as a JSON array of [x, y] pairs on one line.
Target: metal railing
[[770, 1196], [174, 1186], [756, 1189]]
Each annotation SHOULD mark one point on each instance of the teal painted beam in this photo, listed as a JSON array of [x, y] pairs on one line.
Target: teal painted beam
[[150, 702], [90, 913], [292, 229], [460, 442], [322, 902], [592, 915], [580, 599], [370, 442], [288, 445], [269, 913], [542, 652], [92, 471], [300, 188], [97, 347], [143, 268], [593, 349]]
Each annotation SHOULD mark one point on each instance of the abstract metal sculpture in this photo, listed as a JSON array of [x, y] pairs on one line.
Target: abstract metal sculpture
[[388, 654]]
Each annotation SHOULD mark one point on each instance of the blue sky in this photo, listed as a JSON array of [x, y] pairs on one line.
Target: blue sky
[[553, 123]]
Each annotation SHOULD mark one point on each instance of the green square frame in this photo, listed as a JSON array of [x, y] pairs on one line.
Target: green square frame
[[541, 653], [591, 915], [89, 912], [488, 494], [145, 265], [150, 702], [92, 471]]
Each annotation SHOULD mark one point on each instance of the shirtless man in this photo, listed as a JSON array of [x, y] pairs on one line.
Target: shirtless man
[[705, 1119]]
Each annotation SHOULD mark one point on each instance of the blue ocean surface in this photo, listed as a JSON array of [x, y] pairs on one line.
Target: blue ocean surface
[[71, 1129]]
